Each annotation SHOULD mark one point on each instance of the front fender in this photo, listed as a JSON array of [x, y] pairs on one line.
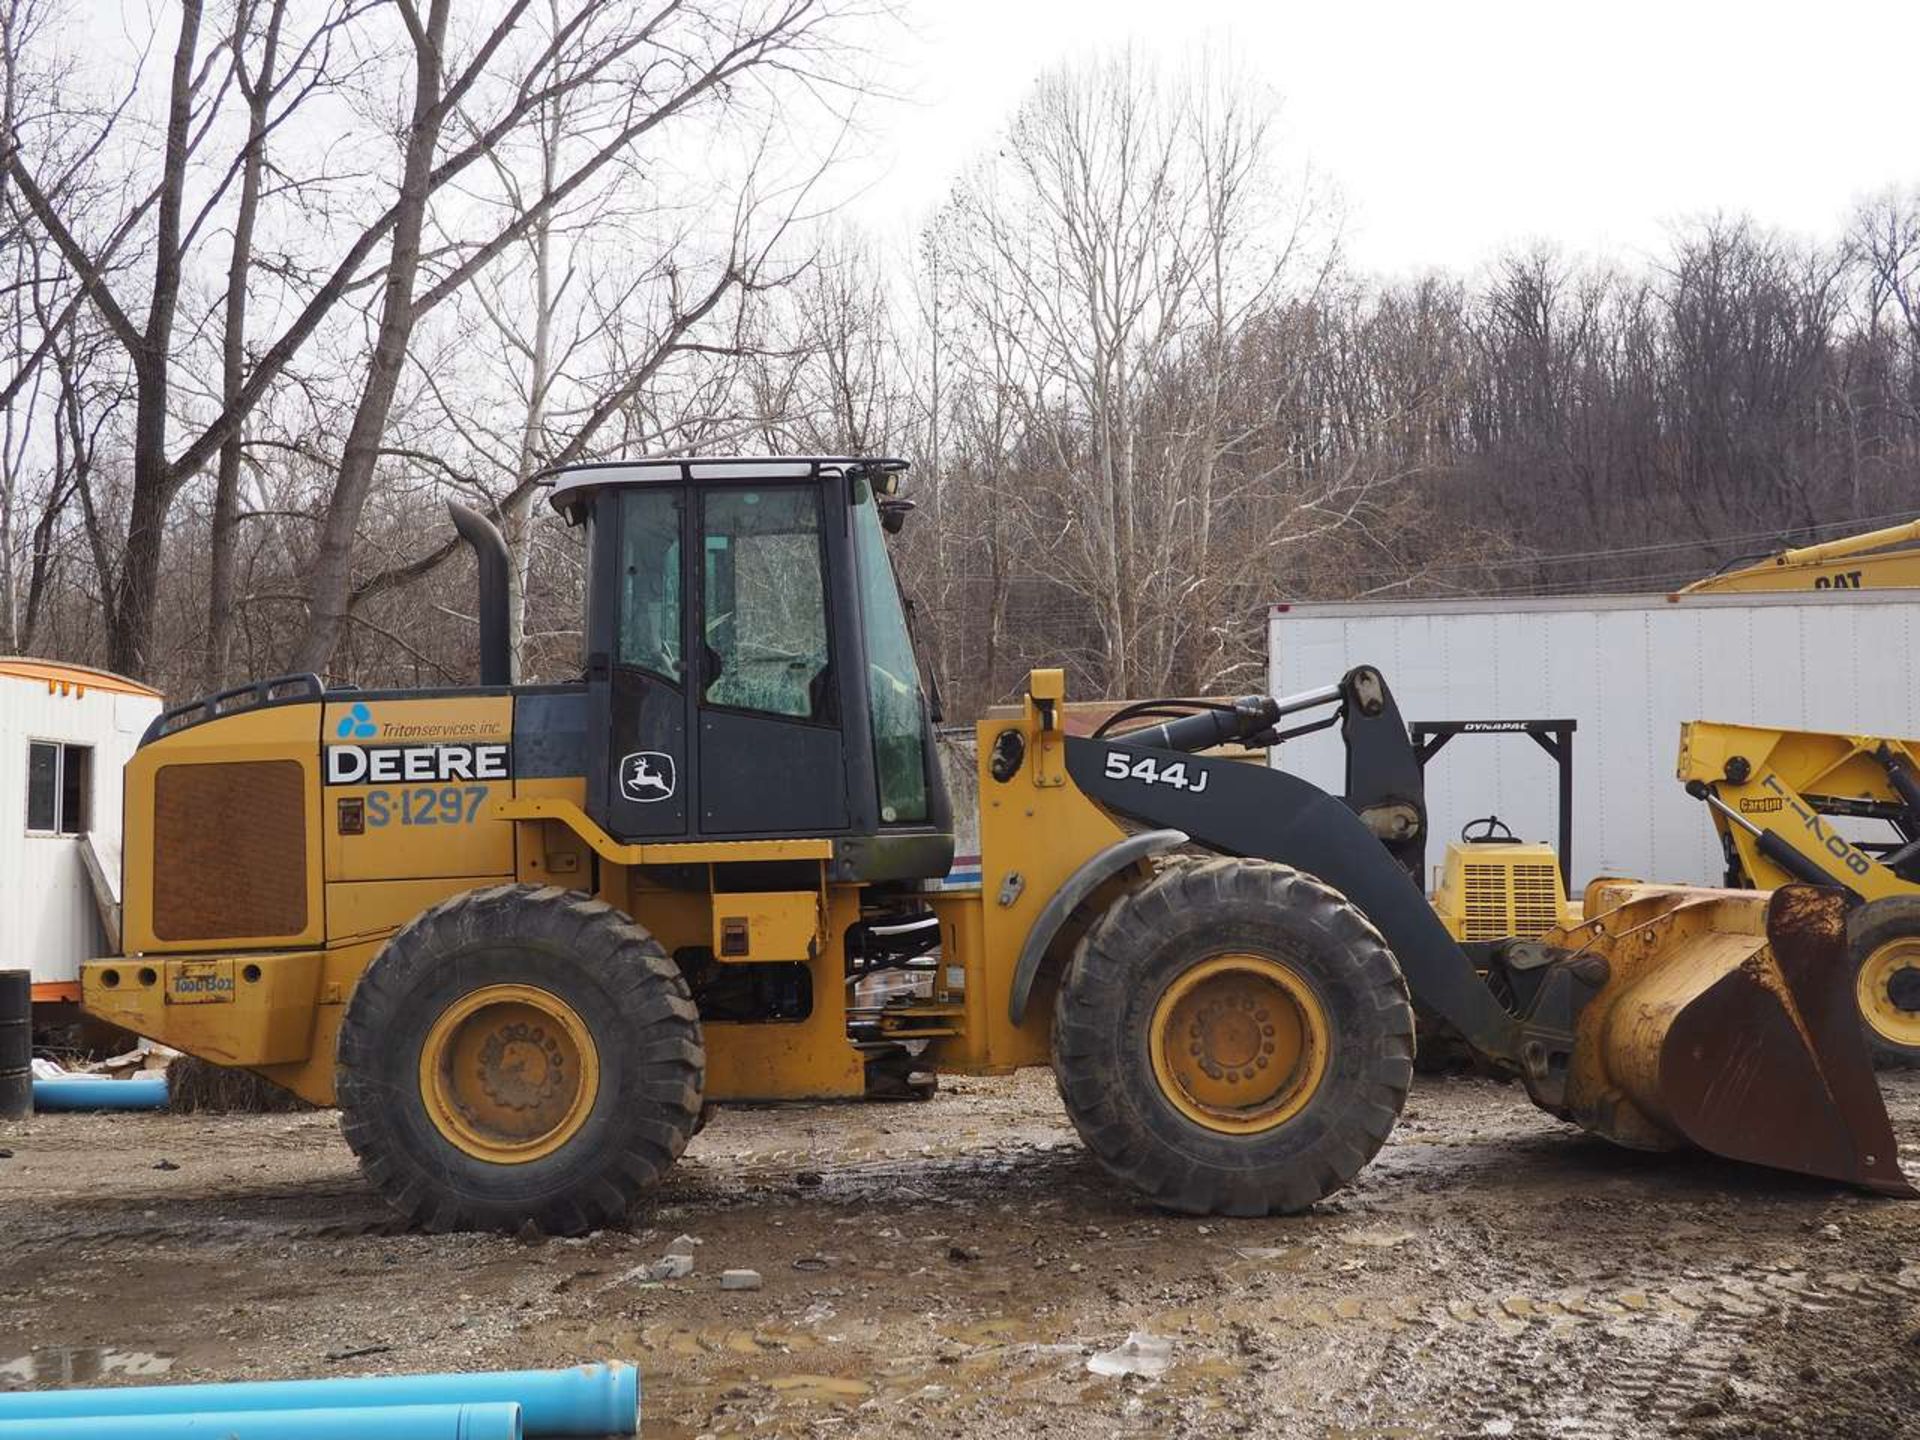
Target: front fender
[[1079, 885]]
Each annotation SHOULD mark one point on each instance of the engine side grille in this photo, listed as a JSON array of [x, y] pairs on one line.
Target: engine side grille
[[1502, 900], [229, 850]]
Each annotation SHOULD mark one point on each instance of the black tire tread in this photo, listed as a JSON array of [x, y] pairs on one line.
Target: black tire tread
[[662, 1054], [1869, 927], [1103, 972]]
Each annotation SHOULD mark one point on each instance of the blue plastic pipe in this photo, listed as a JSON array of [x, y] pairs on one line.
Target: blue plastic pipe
[[145, 1093], [585, 1400], [373, 1422]]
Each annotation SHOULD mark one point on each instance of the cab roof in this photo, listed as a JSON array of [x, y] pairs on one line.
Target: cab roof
[[571, 483]]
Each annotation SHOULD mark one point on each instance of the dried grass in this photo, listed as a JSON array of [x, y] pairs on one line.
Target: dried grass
[[196, 1086]]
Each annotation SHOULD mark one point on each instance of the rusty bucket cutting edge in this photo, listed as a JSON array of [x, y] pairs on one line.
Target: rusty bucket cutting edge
[[1729, 1023]]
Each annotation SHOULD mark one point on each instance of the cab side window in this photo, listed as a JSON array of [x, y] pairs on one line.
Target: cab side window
[[650, 634], [764, 593]]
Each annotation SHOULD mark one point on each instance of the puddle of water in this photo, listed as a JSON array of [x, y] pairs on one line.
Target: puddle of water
[[61, 1365], [1213, 1370], [719, 1340], [817, 1389], [986, 1332], [1278, 1258], [1187, 1321], [1377, 1239]]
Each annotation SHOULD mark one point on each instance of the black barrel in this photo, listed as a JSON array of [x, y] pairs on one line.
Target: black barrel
[[16, 1044]]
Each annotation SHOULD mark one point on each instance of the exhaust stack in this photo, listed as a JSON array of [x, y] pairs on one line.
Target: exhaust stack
[[490, 555]]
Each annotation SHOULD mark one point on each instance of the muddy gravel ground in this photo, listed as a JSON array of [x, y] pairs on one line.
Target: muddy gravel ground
[[950, 1268]]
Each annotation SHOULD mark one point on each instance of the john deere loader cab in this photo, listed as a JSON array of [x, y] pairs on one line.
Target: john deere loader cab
[[750, 674]]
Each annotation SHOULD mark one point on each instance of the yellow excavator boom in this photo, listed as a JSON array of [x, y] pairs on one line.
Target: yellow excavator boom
[[1877, 560]]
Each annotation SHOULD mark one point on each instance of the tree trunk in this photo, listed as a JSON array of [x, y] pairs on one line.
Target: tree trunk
[[519, 508], [130, 609], [226, 494], [333, 566]]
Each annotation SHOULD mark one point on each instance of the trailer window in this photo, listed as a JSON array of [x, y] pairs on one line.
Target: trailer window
[[59, 787]]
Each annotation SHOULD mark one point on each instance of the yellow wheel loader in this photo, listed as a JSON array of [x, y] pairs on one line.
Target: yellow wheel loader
[[1778, 798], [521, 935]]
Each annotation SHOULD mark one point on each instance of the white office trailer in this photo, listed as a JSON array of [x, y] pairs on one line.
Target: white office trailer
[[1629, 670], [66, 732]]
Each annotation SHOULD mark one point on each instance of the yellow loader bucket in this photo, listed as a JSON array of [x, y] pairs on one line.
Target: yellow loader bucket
[[1728, 1021]]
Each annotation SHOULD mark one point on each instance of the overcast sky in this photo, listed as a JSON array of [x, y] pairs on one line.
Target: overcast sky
[[1455, 128]]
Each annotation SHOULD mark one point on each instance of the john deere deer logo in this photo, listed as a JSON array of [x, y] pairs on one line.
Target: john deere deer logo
[[647, 775]]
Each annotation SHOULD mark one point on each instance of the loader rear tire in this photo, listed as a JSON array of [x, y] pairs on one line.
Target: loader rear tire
[[520, 1054], [1233, 1038], [1883, 936]]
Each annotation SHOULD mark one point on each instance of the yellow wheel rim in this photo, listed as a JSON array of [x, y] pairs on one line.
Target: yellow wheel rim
[[1239, 1044], [509, 1073], [1888, 988]]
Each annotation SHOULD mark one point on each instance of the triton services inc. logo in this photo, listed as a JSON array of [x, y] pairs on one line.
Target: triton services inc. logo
[[429, 751], [357, 724]]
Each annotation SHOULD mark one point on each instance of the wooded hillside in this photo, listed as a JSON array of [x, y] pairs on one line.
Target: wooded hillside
[[278, 279]]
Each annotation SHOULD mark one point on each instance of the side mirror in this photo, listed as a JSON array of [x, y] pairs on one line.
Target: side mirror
[[893, 513], [882, 474]]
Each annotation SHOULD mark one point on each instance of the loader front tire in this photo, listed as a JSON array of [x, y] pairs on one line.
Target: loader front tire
[[519, 1054], [1883, 937], [1233, 1038]]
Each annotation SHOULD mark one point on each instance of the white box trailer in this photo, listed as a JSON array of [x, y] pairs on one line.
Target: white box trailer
[[66, 732], [1629, 670]]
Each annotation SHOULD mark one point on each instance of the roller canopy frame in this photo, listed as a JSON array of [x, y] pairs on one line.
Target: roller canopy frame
[[1555, 737]]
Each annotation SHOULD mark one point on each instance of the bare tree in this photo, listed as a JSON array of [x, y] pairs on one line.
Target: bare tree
[[642, 69], [1127, 229], [478, 81]]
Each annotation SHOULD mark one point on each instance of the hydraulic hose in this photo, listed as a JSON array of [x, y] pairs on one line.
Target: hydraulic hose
[[1900, 775]]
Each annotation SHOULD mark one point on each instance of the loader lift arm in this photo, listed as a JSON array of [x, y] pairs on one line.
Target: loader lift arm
[[1775, 796], [1772, 792], [1368, 846]]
